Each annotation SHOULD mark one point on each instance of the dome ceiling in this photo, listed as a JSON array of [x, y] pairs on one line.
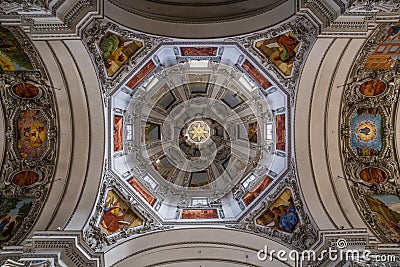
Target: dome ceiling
[[192, 127], [198, 133]]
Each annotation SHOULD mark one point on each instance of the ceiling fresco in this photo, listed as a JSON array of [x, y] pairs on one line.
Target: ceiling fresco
[[367, 134], [30, 136], [197, 133]]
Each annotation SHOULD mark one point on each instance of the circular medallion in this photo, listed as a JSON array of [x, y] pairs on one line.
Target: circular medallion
[[25, 178], [25, 90], [198, 132], [372, 88], [373, 175]]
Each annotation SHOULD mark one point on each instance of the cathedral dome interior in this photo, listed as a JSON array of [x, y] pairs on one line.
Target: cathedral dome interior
[[199, 133]]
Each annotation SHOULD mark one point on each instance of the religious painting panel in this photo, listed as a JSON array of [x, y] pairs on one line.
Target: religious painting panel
[[116, 50], [141, 74], [387, 212], [366, 128], [32, 134], [281, 50], [256, 74], [372, 88], [281, 214], [142, 191], [373, 175], [199, 214], [13, 211], [392, 34], [25, 90], [117, 215], [12, 56], [198, 51], [389, 45], [118, 131], [256, 190], [25, 178], [280, 131]]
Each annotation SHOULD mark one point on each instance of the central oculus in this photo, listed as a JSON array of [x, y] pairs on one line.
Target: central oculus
[[198, 132]]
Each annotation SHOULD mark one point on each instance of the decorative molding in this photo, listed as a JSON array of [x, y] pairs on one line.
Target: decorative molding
[[368, 7], [302, 237], [91, 38], [95, 238], [52, 249], [51, 20], [305, 32]]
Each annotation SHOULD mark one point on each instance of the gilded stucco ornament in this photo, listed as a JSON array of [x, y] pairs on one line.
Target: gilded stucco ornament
[[31, 139], [302, 236], [368, 137], [91, 38], [306, 34]]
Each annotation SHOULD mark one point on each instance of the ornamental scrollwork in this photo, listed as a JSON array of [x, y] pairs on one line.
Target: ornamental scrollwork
[[369, 107], [301, 236], [95, 33], [27, 102]]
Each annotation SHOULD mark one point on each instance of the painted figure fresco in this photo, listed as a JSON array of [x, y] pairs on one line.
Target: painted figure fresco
[[387, 212], [117, 215], [12, 56], [118, 130], [198, 51], [256, 190], [281, 51], [389, 45], [12, 213], [199, 214], [252, 131], [25, 178], [116, 50], [366, 127], [392, 34], [142, 190], [280, 131], [142, 73], [25, 90], [258, 76], [32, 134], [372, 88], [373, 175], [281, 214]]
